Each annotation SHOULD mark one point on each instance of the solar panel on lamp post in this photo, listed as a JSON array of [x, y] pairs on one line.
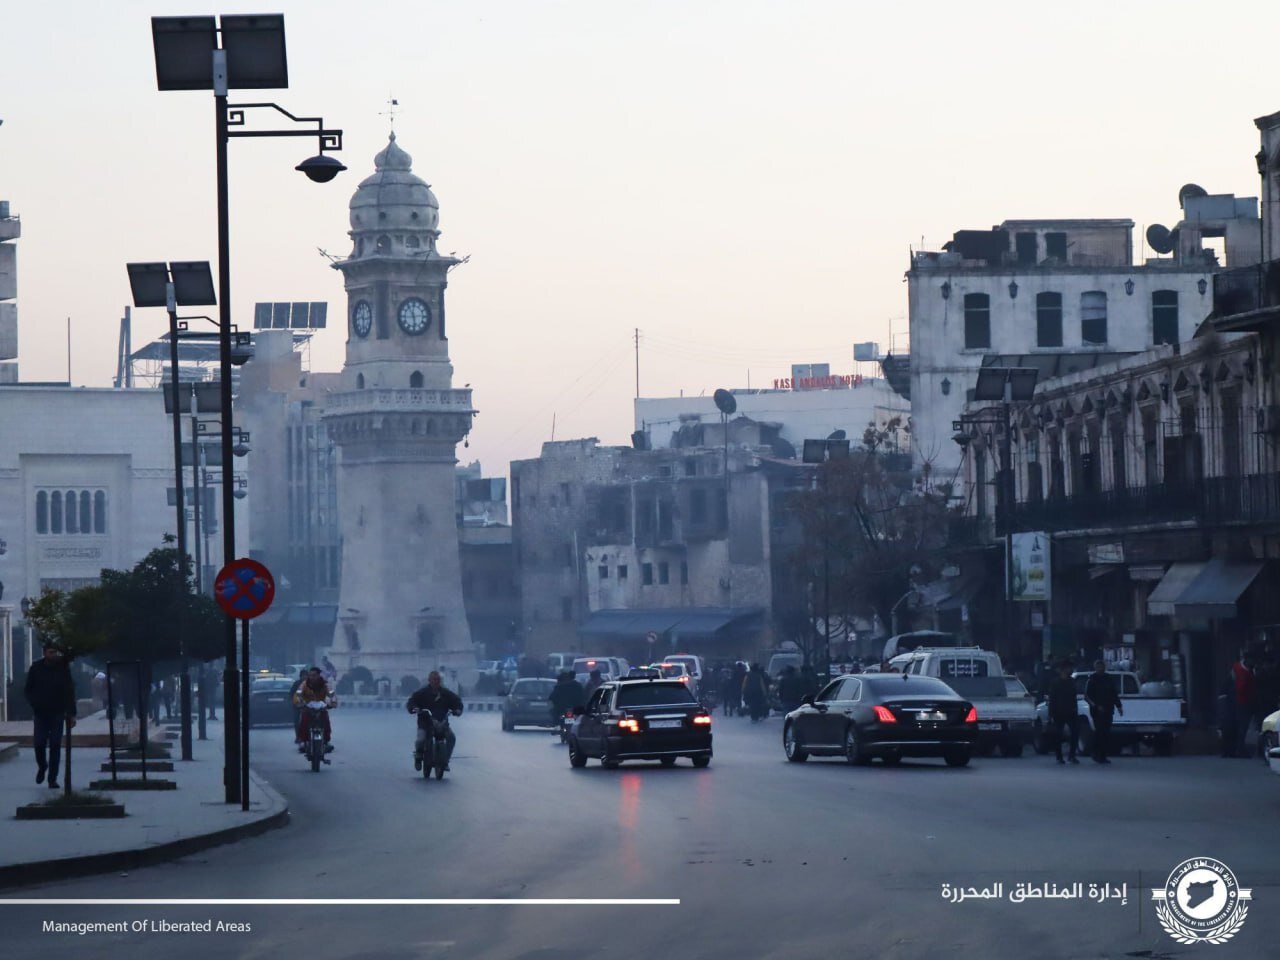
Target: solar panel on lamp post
[[245, 52], [189, 283]]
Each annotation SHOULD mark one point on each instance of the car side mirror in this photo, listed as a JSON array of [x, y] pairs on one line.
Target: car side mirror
[[807, 699]]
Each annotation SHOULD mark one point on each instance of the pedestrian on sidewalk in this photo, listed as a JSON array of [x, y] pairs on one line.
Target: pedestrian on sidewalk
[[52, 697], [1104, 702], [755, 693], [166, 696], [1063, 712], [1246, 695]]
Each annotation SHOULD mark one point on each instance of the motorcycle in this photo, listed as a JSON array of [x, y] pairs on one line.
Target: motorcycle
[[562, 726], [435, 747], [315, 748]]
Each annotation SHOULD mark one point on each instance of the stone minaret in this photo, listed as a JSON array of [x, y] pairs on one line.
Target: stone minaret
[[398, 421]]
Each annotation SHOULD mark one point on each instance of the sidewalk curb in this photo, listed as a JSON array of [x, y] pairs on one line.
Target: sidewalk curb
[[46, 871]]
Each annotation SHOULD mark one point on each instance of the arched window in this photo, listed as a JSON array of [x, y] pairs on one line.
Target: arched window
[[73, 525], [412, 243], [42, 512], [100, 512], [359, 381], [384, 244], [55, 512], [86, 511], [426, 637], [415, 380]]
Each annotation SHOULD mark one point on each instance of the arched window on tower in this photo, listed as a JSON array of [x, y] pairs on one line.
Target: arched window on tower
[[384, 244], [415, 380], [412, 243], [42, 512], [359, 381]]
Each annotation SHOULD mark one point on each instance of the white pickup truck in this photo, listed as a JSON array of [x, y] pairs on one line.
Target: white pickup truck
[[1006, 711], [1146, 719]]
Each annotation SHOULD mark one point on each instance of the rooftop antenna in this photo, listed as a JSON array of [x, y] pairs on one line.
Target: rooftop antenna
[[390, 112]]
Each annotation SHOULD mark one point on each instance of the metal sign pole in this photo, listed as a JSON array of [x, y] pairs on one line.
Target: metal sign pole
[[244, 715]]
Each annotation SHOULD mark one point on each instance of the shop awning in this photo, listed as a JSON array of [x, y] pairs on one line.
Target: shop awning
[[1176, 579], [690, 622], [1213, 594], [707, 623]]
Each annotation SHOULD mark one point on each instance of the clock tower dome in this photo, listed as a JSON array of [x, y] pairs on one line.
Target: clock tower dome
[[397, 422]]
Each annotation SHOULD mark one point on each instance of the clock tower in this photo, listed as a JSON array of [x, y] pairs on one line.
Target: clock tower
[[397, 421]]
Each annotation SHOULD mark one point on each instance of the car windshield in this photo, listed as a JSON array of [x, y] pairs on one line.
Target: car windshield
[[532, 688], [670, 670], [272, 685], [587, 665], [893, 684], [653, 694]]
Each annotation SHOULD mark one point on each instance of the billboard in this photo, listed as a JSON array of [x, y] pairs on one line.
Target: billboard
[[1029, 569]]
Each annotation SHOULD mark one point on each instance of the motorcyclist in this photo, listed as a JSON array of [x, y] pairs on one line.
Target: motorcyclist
[[433, 702], [313, 689], [567, 695]]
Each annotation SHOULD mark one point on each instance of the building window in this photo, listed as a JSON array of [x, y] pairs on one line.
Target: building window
[[42, 512], [1150, 450], [1231, 435], [1025, 249], [646, 574], [1048, 319], [565, 494], [977, 321], [698, 506], [622, 571], [684, 573], [415, 380], [1119, 471], [359, 381], [1093, 317], [566, 609], [603, 571], [664, 572], [1164, 316], [426, 637], [690, 467], [1055, 247], [74, 512]]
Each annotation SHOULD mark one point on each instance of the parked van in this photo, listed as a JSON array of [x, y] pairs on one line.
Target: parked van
[[556, 662]]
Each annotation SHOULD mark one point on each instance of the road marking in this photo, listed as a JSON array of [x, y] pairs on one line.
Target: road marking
[[340, 902]]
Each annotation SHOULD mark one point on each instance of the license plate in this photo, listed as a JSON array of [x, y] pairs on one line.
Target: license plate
[[665, 724], [990, 726], [275, 699]]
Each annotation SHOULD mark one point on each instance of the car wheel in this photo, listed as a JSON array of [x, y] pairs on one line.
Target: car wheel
[[609, 764], [1011, 748], [853, 746], [1040, 742], [667, 761], [957, 758], [791, 746], [701, 762], [1266, 743], [507, 725], [577, 758]]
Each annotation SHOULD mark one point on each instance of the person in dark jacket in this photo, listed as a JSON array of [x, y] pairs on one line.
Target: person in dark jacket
[[433, 702], [755, 693], [52, 696], [1062, 710], [567, 695], [791, 689], [1104, 702]]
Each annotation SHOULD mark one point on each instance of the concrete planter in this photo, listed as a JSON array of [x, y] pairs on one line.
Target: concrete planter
[[132, 784], [85, 811]]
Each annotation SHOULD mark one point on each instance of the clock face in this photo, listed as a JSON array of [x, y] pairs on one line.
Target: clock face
[[414, 316], [362, 318]]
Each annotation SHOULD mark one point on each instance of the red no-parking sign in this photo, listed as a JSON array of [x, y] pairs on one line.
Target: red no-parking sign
[[244, 589]]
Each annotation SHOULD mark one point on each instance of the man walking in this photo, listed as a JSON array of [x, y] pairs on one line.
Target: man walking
[[1104, 702], [1245, 691], [1062, 710], [52, 696]]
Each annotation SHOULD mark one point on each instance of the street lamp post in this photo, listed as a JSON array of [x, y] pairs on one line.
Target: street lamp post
[[821, 452], [170, 285], [220, 54]]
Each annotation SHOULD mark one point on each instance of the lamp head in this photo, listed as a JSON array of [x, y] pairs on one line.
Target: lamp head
[[320, 168]]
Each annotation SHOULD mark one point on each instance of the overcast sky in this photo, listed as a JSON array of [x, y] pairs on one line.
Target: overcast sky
[[741, 180]]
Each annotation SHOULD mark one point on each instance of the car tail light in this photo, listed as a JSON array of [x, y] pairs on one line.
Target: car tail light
[[971, 716], [884, 714], [631, 726], [702, 720]]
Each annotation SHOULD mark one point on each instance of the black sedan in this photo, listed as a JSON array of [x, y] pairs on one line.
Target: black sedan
[[643, 719], [528, 704], [885, 715], [270, 702]]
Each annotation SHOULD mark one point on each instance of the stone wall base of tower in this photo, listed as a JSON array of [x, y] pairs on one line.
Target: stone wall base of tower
[[457, 666]]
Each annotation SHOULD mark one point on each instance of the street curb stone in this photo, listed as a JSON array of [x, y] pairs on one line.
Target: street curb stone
[[46, 871]]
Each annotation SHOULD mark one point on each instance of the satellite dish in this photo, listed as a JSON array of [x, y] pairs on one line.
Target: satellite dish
[[1188, 191], [725, 402], [1160, 238]]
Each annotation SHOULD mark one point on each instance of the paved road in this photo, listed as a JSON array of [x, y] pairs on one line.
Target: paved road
[[768, 859]]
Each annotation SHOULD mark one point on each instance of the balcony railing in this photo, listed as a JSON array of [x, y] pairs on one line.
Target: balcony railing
[[1209, 501]]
